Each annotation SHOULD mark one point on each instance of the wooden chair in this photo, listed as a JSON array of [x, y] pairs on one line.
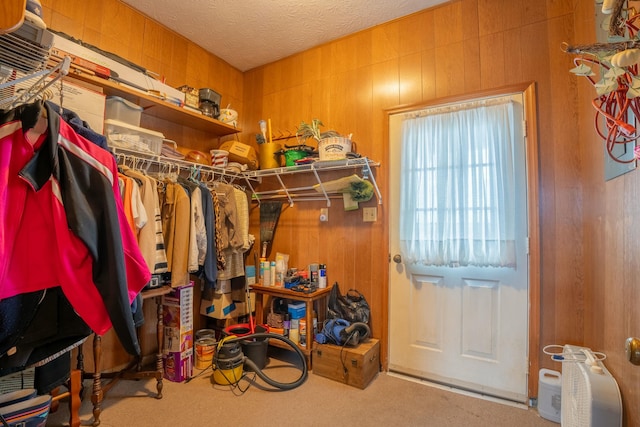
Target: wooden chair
[[74, 387]]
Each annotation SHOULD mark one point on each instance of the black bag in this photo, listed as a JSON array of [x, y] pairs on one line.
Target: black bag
[[352, 307]]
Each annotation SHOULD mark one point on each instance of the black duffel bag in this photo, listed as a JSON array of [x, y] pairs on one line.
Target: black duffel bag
[[352, 307]]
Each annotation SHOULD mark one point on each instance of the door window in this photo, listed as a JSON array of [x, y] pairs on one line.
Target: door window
[[457, 201]]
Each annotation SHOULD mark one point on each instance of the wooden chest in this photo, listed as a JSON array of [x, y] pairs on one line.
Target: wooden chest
[[355, 366]]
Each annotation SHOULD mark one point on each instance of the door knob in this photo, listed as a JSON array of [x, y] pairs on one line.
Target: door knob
[[632, 350], [397, 258]]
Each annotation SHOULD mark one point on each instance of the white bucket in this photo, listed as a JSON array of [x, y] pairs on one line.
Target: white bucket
[[334, 148], [549, 394]]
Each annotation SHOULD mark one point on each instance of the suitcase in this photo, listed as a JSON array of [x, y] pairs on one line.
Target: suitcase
[[355, 366]]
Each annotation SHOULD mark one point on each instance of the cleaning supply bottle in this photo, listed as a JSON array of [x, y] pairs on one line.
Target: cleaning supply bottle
[[302, 333], [280, 272], [266, 274], [272, 271], [322, 276], [286, 323]]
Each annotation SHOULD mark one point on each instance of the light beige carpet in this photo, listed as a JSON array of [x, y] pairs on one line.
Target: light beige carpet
[[387, 401]]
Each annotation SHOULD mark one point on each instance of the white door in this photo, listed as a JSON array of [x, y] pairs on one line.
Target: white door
[[466, 327]]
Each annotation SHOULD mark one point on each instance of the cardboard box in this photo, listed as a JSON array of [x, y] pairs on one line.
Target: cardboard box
[[361, 363], [178, 366], [87, 101], [177, 318], [224, 306], [241, 153]]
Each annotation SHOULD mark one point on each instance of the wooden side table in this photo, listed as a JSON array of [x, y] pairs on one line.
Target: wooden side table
[[320, 296], [134, 369]]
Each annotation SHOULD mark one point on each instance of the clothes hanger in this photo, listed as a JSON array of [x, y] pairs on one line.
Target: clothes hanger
[[195, 174]]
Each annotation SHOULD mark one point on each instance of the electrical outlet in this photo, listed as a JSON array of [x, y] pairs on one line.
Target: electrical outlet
[[324, 214], [370, 214]]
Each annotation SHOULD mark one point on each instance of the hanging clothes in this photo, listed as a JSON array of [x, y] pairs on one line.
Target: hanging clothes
[[235, 207], [197, 232], [125, 195], [218, 224], [176, 213], [161, 265], [83, 243], [230, 238], [147, 234], [209, 271]]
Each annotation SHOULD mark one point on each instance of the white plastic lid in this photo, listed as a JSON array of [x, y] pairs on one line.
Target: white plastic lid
[[128, 104], [122, 125]]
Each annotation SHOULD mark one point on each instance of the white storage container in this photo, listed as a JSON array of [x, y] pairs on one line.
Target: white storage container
[[550, 394], [334, 148], [122, 110], [125, 136]]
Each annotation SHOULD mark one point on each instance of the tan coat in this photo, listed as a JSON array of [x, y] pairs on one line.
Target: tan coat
[[176, 215]]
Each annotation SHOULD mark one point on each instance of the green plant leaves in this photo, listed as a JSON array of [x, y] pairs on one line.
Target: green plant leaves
[[634, 88], [583, 70]]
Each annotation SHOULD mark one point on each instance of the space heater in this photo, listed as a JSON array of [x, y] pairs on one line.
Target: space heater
[[590, 394]]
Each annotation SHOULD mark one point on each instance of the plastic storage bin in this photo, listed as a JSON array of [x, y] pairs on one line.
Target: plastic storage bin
[[549, 394], [122, 110], [297, 310], [128, 137]]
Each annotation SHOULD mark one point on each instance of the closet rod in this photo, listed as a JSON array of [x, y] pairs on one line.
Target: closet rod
[[148, 158]]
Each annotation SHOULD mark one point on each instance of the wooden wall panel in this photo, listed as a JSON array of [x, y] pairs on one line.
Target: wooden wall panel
[[492, 69], [588, 234], [114, 26], [512, 63], [472, 71], [465, 46]]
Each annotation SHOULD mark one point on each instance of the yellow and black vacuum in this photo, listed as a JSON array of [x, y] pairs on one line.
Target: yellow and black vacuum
[[229, 361]]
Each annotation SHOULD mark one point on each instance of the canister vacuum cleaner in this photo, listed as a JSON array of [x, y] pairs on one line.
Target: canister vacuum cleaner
[[229, 362]]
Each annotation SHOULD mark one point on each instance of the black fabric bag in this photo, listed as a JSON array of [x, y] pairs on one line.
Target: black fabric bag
[[352, 307]]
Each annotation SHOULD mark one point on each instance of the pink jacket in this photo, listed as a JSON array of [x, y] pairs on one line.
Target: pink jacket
[[62, 224]]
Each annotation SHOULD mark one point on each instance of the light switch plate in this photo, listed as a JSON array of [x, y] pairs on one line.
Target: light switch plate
[[370, 214]]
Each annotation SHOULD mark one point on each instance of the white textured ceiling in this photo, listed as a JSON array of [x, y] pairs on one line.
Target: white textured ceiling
[[250, 33]]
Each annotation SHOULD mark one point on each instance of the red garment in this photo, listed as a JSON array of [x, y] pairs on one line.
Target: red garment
[[62, 224]]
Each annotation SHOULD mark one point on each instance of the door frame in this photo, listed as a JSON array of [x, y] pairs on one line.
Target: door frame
[[533, 227]]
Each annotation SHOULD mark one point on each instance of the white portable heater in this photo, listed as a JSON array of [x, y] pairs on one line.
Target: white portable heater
[[590, 394]]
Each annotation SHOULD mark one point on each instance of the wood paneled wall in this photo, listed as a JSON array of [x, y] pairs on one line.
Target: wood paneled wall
[[587, 264], [115, 27], [611, 209], [587, 229]]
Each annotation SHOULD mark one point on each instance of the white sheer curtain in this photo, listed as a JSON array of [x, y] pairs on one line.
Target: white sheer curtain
[[457, 186]]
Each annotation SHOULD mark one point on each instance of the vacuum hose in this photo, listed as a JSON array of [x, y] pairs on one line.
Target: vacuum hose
[[270, 381]]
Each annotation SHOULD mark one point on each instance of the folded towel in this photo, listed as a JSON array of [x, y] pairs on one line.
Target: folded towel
[[169, 151]]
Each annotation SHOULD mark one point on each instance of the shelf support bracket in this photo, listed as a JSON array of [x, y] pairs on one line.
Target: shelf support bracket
[[367, 174], [286, 191], [324, 192]]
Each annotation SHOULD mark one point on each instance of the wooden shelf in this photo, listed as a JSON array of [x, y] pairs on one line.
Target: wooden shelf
[[321, 296], [157, 107], [277, 343]]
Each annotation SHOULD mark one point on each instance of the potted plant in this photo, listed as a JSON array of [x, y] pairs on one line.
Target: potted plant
[[312, 130], [331, 145]]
